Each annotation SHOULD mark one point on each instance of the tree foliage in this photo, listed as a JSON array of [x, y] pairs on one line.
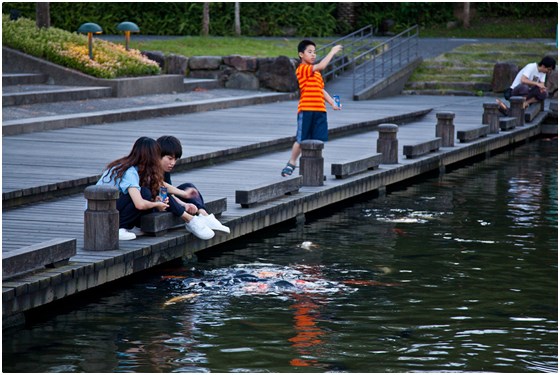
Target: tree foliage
[[265, 19]]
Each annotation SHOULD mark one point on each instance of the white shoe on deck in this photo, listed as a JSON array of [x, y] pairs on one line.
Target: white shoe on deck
[[125, 235]]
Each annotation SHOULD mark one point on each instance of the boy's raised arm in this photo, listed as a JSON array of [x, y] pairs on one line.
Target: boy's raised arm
[[323, 64]]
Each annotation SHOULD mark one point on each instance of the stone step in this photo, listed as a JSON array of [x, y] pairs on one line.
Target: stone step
[[441, 92], [436, 85], [34, 94], [12, 79], [199, 84]]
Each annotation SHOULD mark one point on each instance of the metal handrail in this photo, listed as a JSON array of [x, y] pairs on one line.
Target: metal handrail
[[352, 43], [384, 58]]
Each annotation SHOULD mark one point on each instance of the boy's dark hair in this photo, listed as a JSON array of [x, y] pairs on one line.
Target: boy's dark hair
[[548, 62], [303, 45], [171, 146]]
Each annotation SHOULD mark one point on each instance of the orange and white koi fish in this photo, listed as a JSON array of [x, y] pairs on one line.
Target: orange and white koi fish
[[186, 297]]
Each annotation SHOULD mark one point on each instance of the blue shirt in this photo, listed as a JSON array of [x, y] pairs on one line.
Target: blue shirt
[[130, 178]]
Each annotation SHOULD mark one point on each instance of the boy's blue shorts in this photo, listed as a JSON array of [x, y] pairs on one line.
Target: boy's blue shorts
[[312, 125]]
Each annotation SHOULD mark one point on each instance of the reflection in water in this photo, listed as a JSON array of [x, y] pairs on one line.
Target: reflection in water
[[457, 273]]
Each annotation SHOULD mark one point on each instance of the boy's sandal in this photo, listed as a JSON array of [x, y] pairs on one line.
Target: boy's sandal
[[288, 170]]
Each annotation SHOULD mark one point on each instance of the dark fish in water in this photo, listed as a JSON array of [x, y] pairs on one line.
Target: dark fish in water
[[284, 284], [248, 278]]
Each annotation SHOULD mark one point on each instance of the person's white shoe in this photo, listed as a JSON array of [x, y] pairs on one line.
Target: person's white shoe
[[214, 224], [199, 228], [125, 235]]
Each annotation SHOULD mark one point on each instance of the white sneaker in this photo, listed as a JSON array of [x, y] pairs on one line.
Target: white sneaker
[[125, 235], [199, 228], [214, 224]]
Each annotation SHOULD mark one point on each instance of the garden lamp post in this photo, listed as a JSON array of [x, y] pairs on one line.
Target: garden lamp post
[[90, 28], [128, 27]]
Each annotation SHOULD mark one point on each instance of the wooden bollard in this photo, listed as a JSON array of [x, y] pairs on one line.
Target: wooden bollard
[[445, 129], [311, 163], [492, 117], [517, 111], [388, 144], [101, 218]]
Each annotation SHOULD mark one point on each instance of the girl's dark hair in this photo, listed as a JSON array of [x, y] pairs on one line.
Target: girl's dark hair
[[303, 45], [169, 145], [145, 155]]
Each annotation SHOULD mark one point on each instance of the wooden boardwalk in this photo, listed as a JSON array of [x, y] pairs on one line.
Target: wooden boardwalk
[[33, 161]]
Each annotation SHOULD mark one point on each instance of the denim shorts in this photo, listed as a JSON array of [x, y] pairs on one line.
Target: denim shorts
[[312, 125]]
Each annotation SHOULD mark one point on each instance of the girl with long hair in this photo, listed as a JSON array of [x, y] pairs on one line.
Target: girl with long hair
[[139, 176]]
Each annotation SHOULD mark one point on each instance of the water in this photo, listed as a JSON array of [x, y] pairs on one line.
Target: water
[[458, 273]]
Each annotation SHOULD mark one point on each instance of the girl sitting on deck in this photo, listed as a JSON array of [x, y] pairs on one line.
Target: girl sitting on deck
[[139, 177]]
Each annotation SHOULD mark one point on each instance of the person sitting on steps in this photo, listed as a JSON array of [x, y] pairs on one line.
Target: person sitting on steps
[[529, 83], [139, 176], [186, 198]]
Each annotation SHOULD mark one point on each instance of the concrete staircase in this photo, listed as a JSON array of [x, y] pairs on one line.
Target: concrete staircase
[[461, 81]]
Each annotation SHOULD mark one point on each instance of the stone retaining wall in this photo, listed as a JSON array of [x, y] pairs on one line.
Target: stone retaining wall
[[235, 71]]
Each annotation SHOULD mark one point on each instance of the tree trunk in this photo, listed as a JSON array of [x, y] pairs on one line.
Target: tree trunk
[[42, 15], [237, 19], [346, 13], [466, 15], [205, 19]]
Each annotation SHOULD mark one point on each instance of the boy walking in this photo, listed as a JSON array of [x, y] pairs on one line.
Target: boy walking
[[312, 111]]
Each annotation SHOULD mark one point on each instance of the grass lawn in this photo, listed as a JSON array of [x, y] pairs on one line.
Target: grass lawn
[[498, 28], [225, 46], [278, 46]]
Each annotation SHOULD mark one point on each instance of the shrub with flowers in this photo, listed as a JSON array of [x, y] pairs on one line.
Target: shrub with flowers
[[71, 50]]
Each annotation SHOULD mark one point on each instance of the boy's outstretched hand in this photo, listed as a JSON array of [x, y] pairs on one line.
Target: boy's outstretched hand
[[336, 49]]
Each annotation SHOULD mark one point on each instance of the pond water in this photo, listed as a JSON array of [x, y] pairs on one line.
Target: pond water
[[456, 273]]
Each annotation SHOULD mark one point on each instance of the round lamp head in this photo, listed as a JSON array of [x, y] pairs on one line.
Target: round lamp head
[[128, 26], [90, 27]]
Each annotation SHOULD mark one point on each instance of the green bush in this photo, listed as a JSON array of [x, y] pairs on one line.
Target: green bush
[[71, 50], [304, 19]]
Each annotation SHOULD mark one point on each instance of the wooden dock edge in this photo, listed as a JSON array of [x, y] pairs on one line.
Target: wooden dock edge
[[91, 269]]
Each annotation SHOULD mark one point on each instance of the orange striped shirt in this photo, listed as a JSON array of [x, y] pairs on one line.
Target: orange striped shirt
[[311, 97]]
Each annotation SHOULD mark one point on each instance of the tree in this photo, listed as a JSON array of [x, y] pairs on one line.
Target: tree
[[237, 19], [205, 19], [466, 15], [42, 15]]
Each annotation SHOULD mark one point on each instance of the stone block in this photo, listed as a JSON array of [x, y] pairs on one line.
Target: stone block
[[176, 64], [421, 148], [30, 258], [277, 74], [503, 75], [242, 63], [552, 83], [268, 190], [156, 56], [205, 62], [242, 81]]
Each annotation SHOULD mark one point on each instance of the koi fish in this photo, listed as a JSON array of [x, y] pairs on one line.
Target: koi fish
[[185, 297], [368, 283], [170, 277], [308, 245]]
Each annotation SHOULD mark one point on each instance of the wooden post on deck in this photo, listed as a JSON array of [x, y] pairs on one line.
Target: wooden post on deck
[[492, 117], [445, 129], [388, 144], [516, 110], [311, 163], [101, 218]]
